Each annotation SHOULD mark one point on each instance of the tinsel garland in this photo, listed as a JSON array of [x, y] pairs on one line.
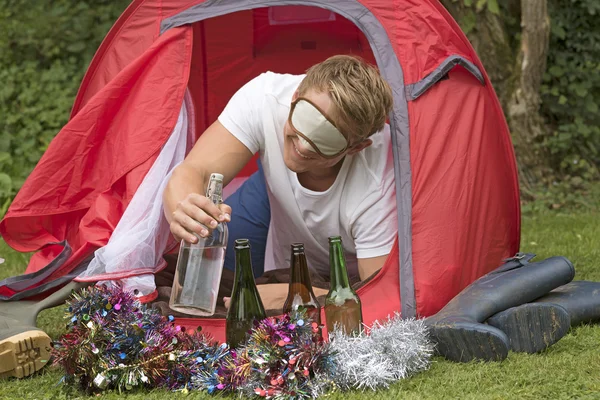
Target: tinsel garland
[[281, 359], [389, 352], [114, 342]]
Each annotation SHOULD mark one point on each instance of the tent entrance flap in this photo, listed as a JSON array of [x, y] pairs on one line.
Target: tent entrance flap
[[230, 60]]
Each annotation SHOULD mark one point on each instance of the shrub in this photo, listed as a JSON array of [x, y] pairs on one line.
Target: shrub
[[45, 49], [571, 89]]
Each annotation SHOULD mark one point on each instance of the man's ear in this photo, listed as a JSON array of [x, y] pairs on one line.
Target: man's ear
[[360, 146]]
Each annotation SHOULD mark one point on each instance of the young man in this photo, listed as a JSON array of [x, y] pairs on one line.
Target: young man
[[327, 172]]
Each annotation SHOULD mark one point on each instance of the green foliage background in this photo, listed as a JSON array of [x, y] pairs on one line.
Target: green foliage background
[[46, 46], [571, 88]]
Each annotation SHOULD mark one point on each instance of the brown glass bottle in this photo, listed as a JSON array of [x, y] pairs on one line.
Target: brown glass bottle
[[246, 305], [300, 293], [342, 304]]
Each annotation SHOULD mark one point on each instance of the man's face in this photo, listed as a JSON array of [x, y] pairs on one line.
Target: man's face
[[300, 158]]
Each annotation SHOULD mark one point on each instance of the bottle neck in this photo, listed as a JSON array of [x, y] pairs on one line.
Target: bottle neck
[[243, 267], [337, 264], [299, 273], [214, 191]]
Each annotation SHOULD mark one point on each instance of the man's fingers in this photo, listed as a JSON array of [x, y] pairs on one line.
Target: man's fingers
[[198, 215], [193, 216], [226, 212], [227, 301], [188, 223], [213, 213], [181, 233]]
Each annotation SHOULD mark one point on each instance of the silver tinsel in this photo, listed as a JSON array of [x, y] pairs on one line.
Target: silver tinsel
[[394, 350]]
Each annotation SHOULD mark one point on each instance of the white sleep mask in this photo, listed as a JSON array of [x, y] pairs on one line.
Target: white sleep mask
[[315, 130]]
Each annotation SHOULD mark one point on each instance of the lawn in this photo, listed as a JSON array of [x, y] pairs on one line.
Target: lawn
[[569, 369]]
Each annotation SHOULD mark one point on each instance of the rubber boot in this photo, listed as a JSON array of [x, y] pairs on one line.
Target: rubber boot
[[578, 303], [23, 349], [458, 329], [26, 311]]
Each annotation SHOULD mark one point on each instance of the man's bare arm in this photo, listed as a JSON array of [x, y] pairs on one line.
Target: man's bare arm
[[368, 266], [217, 150]]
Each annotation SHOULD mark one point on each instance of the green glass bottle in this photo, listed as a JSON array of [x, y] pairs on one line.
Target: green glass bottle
[[300, 293], [246, 305], [342, 304]]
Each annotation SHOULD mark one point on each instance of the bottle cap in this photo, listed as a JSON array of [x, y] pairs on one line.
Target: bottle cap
[[216, 176], [297, 248], [242, 243]]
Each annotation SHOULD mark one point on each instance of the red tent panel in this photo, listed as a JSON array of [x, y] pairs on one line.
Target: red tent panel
[[464, 222], [83, 183]]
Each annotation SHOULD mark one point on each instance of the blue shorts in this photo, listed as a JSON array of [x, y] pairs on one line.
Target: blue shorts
[[250, 217]]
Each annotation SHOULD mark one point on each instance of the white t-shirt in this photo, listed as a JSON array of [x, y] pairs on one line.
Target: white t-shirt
[[360, 206]]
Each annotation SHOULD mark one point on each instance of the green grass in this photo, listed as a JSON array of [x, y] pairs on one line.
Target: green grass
[[569, 369]]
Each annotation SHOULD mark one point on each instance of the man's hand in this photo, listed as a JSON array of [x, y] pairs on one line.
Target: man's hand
[[273, 295], [186, 210], [197, 214]]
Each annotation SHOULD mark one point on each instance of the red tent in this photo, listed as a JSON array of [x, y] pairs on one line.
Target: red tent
[[456, 180]]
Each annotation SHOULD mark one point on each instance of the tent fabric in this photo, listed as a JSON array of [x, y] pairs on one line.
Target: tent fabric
[[134, 250], [455, 168], [414, 90], [16, 286], [84, 181]]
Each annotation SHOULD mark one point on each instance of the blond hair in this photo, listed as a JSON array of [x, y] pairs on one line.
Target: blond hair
[[362, 98]]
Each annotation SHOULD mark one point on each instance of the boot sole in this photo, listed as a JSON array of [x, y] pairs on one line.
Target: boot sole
[[469, 343], [533, 327], [23, 354]]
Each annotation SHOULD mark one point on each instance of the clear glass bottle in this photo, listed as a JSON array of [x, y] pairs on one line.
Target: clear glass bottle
[[300, 292], [342, 304], [246, 305], [200, 265]]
